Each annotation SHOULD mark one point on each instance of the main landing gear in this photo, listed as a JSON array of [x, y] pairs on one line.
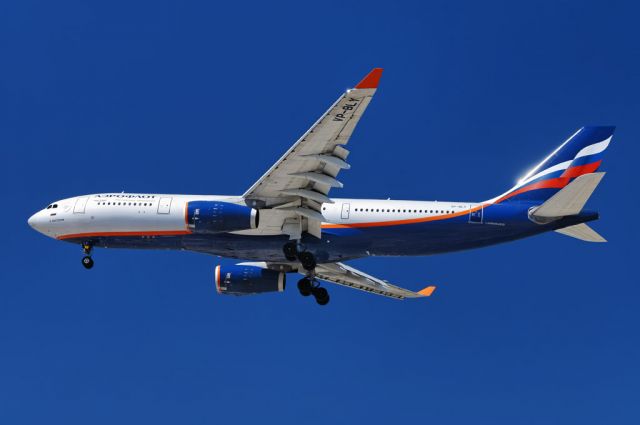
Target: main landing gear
[[87, 261], [310, 286], [292, 252]]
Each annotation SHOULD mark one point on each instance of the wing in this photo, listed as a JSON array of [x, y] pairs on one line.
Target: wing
[[344, 275], [348, 276], [301, 179]]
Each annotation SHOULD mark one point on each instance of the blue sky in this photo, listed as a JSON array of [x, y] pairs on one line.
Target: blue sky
[[185, 97]]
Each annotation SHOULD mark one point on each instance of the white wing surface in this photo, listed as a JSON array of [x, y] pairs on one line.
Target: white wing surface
[[341, 274], [300, 181], [348, 276]]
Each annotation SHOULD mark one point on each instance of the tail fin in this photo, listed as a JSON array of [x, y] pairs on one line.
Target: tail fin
[[579, 154]]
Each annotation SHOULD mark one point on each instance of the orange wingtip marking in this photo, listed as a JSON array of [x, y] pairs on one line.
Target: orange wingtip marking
[[371, 80], [427, 291]]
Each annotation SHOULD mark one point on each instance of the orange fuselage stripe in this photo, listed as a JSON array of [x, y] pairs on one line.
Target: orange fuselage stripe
[[138, 233], [399, 222]]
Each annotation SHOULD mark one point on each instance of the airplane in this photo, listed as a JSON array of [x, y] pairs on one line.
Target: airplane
[[287, 223]]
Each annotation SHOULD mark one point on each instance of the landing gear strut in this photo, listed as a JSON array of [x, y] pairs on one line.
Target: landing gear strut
[[87, 261], [309, 286]]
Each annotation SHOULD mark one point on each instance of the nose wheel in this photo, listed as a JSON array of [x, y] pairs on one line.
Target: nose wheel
[[310, 286], [87, 261]]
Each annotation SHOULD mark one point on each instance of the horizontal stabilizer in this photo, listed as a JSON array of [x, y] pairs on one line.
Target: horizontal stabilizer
[[583, 232], [571, 199]]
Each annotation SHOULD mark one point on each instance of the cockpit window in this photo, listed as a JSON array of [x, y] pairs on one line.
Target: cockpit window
[[54, 206], [48, 206]]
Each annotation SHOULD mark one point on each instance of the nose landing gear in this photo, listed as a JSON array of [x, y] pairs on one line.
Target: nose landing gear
[[87, 261]]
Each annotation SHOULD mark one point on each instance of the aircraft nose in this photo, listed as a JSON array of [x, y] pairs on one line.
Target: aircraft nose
[[35, 221], [32, 221]]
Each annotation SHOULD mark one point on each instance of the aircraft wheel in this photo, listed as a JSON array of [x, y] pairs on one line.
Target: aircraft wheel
[[307, 259], [321, 295], [87, 262], [305, 286], [290, 250]]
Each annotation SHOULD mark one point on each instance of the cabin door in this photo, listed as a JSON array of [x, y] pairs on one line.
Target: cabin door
[[81, 204], [164, 206], [345, 211]]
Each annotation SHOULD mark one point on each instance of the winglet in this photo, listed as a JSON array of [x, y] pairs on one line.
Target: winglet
[[427, 291], [371, 80]]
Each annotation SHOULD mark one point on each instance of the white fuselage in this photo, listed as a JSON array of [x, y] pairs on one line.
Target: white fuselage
[[155, 214]]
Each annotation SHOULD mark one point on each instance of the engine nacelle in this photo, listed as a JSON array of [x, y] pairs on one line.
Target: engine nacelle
[[247, 280], [219, 217]]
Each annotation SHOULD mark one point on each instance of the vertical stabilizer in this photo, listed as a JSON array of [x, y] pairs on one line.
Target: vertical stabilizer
[[580, 154]]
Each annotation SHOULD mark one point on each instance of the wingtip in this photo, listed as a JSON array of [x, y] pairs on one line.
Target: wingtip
[[371, 80], [426, 292]]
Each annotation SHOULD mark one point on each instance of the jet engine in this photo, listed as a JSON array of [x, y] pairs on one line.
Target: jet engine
[[219, 217], [248, 280]]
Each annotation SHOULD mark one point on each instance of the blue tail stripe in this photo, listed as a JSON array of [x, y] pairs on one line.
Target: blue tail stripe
[[586, 136]]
